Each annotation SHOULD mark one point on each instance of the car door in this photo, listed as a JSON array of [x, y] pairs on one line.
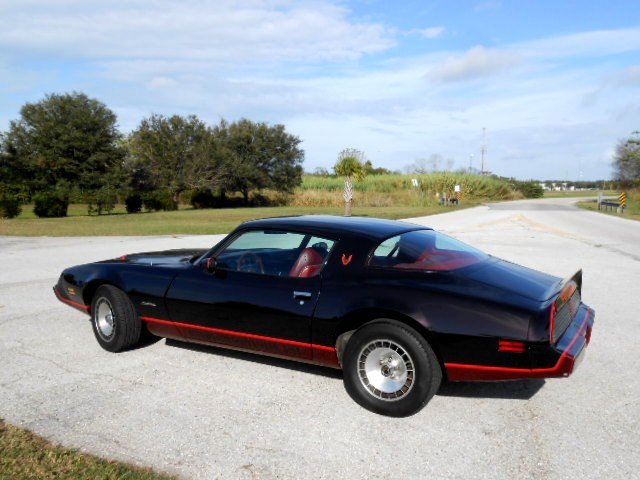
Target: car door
[[260, 297]]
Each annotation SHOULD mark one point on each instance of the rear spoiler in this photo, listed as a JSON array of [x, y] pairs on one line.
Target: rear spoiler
[[562, 284], [577, 278], [563, 310]]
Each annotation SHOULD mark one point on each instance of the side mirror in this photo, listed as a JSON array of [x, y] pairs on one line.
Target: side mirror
[[210, 265]]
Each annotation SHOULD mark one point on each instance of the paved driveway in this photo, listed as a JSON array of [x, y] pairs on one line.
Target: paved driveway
[[207, 413]]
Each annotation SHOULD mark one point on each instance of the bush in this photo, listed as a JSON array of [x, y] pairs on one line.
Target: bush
[[259, 200], [273, 200], [103, 200], [203, 199], [50, 204], [159, 200], [133, 202], [9, 206], [529, 189]]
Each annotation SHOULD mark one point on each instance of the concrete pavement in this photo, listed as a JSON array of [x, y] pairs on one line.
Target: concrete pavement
[[207, 413]]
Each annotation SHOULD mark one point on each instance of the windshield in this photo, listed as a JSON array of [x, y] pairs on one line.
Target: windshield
[[425, 250]]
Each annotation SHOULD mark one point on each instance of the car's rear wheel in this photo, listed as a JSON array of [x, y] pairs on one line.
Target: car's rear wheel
[[115, 322], [390, 369]]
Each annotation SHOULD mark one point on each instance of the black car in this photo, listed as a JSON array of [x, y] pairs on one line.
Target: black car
[[398, 307]]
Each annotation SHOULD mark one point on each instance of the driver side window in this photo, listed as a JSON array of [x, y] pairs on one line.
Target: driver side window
[[275, 252]]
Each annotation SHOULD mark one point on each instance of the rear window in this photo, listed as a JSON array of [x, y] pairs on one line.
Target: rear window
[[425, 250]]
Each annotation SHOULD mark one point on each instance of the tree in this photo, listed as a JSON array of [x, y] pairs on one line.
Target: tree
[[351, 166], [371, 170], [626, 160], [260, 156], [63, 140], [321, 172], [177, 153]]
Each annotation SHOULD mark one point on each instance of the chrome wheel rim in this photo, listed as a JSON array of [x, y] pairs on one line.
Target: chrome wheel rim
[[105, 319], [386, 370]]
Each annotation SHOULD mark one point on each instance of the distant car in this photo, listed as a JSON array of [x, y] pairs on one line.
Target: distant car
[[398, 307]]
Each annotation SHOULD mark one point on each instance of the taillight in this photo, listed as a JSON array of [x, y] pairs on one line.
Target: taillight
[[511, 346], [552, 321]]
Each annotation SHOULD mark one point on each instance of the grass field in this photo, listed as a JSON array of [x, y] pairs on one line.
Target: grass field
[[387, 196], [576, 193], [472, 185], [187, 221], [24, 455]]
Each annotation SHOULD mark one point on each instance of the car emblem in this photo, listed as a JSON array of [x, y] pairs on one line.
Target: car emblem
[[346, 260]]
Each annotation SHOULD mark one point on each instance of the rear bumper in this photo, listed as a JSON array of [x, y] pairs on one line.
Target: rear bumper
[[571, 348]]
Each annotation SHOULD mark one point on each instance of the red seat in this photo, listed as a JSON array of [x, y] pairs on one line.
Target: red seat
[[308, 263]]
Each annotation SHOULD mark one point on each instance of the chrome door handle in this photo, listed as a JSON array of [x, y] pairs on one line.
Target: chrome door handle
[[298, 294]]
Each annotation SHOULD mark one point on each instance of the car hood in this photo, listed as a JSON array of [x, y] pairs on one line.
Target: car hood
[[517, 279], [165, 257]]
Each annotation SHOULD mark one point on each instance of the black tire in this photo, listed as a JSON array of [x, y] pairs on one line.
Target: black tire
[[124, 322], [421, 373]]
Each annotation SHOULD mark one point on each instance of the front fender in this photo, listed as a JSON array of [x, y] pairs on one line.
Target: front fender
[[145, 285]]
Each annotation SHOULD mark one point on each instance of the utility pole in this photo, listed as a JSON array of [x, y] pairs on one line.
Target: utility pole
[[483, 150], [470, 162]]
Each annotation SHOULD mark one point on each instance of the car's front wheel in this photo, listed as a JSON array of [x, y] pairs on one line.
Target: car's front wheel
[[115, 322], [390, 369]]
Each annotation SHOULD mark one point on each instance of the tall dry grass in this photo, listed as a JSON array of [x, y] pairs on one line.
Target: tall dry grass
[[396, 189]]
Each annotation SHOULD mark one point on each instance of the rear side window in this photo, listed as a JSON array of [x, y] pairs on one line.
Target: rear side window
[[425, 250]]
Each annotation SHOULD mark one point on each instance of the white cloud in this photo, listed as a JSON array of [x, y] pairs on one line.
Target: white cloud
[[229, 33], [298, 63], [629, 77], [430, 32], [476, 62], [160, 83], [583, 44]]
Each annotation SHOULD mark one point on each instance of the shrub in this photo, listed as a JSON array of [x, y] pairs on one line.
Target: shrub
[[9, 206], [159, 200], [259, 200], [203, 199], [103, 200], [50, 204], [529, 189], [133, 203]]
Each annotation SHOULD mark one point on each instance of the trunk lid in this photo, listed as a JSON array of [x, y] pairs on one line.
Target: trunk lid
[[523, 281]]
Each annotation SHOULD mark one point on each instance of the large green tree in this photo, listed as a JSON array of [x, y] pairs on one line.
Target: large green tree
[[62, 140], [626, 160], [261, 156], [180, 153]]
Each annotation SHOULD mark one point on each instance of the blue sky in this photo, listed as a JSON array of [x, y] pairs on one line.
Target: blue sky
[[555, 83]]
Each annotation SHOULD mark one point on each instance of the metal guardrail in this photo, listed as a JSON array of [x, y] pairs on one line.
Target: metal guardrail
[[610, 205]]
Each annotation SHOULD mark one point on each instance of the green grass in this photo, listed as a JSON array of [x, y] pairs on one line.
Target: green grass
[[187, 221], [75, 210], [576, 193], [24, 455]]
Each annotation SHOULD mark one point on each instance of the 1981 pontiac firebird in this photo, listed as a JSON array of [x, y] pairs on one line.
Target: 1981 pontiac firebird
[[398, 307]]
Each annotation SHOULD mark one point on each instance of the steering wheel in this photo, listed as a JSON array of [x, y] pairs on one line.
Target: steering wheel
[[250, 262]]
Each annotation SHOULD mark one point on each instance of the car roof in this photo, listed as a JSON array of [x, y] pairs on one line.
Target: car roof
[[374, 228]]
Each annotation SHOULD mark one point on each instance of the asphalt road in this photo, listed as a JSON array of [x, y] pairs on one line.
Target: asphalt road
[[206, 413]]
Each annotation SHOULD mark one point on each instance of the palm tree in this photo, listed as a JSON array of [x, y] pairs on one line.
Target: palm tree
[[350, 165]]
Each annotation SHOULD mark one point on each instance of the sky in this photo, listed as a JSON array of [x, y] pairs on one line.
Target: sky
[[556, 84]]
